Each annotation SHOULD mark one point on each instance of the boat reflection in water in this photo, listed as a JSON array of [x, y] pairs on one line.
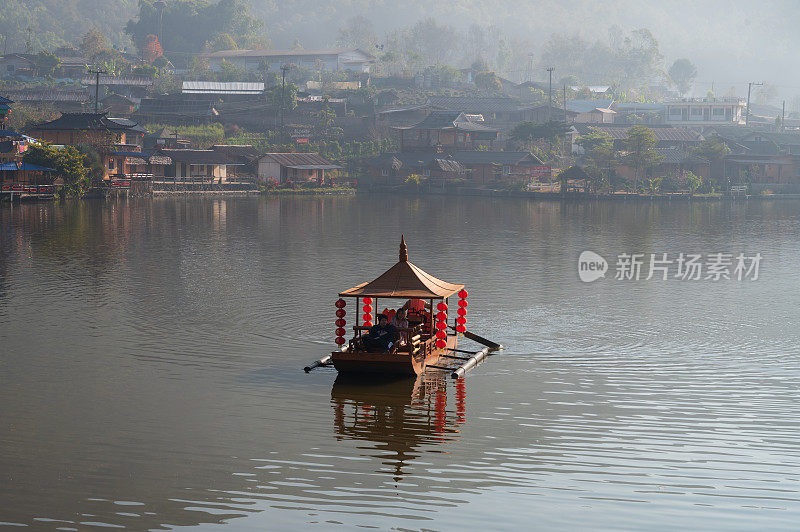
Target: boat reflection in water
[[404, 418]]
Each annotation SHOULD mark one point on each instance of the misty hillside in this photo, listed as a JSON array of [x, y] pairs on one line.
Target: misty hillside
[[731, 43]]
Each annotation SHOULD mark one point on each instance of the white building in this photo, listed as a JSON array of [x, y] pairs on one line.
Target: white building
[[333, 59], [704, 111]]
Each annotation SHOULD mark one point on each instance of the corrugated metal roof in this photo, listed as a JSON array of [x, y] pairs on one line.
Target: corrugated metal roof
[[620, 132], [222, 87], [474, 104]]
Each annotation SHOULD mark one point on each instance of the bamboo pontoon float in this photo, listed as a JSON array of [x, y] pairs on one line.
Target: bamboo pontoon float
[[427, 336]]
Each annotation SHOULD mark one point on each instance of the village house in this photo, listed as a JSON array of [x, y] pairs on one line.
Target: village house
[[447, 130], [118, 105], [165, 137], [12, 65], [397, 168], [135, 87], [500, 113], [471, 167], [666, 136], [591, 111], [294, 168], [335, 59], [177, 109], [245, 154], [673, 163], [203, 166], [108, 135], [545, 113], [62, 100], [696, 112]]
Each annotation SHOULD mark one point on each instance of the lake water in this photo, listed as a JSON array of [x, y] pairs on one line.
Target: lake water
[[151, 355]]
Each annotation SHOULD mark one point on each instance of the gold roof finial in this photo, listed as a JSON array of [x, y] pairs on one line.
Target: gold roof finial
[[403, 249]]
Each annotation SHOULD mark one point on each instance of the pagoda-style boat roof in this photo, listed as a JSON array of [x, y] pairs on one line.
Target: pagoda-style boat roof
[[404, 280]]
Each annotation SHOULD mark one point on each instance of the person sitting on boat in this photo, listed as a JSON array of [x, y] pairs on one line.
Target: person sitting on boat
[[399, 321], [418, 310], [381, 336]]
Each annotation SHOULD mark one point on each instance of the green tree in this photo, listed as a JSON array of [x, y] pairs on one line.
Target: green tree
[[693, 182], [279, 98], [189, 24], [601, 156], [682, 73], [712, 148], [68, 162], [93, 43], [488, 81], [46, 63], [640, 151]]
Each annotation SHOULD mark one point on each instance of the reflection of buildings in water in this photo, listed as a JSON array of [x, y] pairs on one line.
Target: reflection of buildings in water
[[399, 416]]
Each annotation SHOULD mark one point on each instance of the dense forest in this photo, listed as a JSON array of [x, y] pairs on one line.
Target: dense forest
[[729, 46]]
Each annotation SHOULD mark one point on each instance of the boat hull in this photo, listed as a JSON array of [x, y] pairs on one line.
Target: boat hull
[[389, 364]]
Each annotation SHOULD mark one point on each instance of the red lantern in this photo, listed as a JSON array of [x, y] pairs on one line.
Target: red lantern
[[367, 308], [461, 320], [339, 340], [441, 316], [367, 300], [441, 325], [340, 322], [441, 335], [441, 344], [367, 324], [463, 294], [341, 313], [341, 303], [461, 328], [340, 331], [462, 303], [441, 306], [462, 311], [367, 317]]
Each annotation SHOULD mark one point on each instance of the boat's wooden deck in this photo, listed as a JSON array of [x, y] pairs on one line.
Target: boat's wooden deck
[[401, 363]]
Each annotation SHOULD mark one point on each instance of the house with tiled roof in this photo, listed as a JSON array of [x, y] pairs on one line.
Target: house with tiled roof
[[448, 131]]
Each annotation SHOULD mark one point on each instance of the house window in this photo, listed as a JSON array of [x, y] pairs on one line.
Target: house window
[[675, 111], [718, 111], [426, 172], [111, 164], [696, 111], [506, 170], [385, 172]]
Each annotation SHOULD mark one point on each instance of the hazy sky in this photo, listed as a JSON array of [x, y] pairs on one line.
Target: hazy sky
[[731, 42]]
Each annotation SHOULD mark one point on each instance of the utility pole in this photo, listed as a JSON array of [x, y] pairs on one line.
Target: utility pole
[[160, 5], [565, 103], [284, 68], [749, 87], [97, 88], [783, 116], [550, 95]]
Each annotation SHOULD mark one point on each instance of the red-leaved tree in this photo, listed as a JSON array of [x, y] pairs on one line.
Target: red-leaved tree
[[151, 49]]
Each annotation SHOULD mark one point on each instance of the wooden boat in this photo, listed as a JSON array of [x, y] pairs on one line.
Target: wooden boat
[[427, 339]]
